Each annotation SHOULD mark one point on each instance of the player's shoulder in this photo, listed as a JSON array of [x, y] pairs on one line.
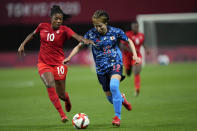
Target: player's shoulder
[[91, 31], [129, 32], [44, 24], [64, 27], [139, 33], [115, 30]]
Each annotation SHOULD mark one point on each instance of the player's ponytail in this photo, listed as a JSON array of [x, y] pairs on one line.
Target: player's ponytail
[[56, 9]]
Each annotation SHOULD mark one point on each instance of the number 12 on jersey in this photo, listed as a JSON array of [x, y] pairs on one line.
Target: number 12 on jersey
[[116, 68]]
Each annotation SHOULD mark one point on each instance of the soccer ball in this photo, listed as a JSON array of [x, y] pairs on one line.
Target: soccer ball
[[80, 121], [163, 60]]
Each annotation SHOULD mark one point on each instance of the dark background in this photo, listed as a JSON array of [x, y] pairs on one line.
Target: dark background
[[13, 35], [13, 30]]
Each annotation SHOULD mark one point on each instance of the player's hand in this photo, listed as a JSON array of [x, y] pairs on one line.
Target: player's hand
[[147, 52], [21, 50], [137, 60], [65, 61], [86, 41]]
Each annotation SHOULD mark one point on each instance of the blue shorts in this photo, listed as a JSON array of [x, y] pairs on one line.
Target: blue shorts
[[104, 79]]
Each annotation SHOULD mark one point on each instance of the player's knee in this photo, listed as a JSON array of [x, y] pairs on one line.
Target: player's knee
[[113, 87]]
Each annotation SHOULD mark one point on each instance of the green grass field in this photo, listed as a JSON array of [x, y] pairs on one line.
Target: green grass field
[[168, 100]]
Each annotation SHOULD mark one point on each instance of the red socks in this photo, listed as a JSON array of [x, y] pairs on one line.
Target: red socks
[[137, 82], [55, 100]]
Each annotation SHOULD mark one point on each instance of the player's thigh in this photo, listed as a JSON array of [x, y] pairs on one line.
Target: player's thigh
[[116, 71], [137, 68], [48, 79], [60, 72], [60, 87], [46, 74], [116, 76], [127, 61], [104, 80]]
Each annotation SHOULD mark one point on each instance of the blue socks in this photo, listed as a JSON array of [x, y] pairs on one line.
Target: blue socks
[[116, 96], [111, 100]]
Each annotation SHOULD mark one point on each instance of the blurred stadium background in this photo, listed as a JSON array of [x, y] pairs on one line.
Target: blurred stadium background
[[168, 98], [170, 27]]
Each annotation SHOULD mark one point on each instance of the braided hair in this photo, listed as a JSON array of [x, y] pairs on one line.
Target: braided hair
[[56, 9]]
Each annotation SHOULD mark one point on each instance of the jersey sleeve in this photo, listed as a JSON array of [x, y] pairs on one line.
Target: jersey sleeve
[[123, 42], [122, 35], [37, 30], [69, 32], [86, 36]]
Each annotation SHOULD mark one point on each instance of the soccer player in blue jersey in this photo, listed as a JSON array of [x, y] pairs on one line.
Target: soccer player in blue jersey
[[108, 59]]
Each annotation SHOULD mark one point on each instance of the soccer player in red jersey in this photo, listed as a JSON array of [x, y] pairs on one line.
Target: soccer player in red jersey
[[129, 63], [50, 67]]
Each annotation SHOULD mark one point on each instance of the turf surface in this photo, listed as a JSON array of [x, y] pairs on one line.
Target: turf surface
[[167, 101]]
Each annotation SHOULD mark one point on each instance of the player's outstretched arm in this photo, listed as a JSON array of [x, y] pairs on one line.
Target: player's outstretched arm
[[21, 49], [146, 49], [135, 57], [73, 52], [82, 39]]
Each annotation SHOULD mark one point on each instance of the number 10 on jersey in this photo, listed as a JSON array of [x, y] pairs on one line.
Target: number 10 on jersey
[[60, 70], [50, 37]]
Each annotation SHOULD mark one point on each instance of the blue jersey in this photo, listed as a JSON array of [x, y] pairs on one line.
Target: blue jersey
[[106, 52]]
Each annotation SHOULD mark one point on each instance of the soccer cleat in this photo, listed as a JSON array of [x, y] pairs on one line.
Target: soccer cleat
[[64, 119], [67, 103], [116, 121], [126, 104]]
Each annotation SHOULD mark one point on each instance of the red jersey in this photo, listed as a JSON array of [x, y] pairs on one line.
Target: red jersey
[[51, 48], [138, 40]]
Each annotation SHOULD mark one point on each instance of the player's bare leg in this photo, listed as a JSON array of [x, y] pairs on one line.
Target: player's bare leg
[[109, 96], [49, 82], [60, 88], [137, 70], [128, 71]]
